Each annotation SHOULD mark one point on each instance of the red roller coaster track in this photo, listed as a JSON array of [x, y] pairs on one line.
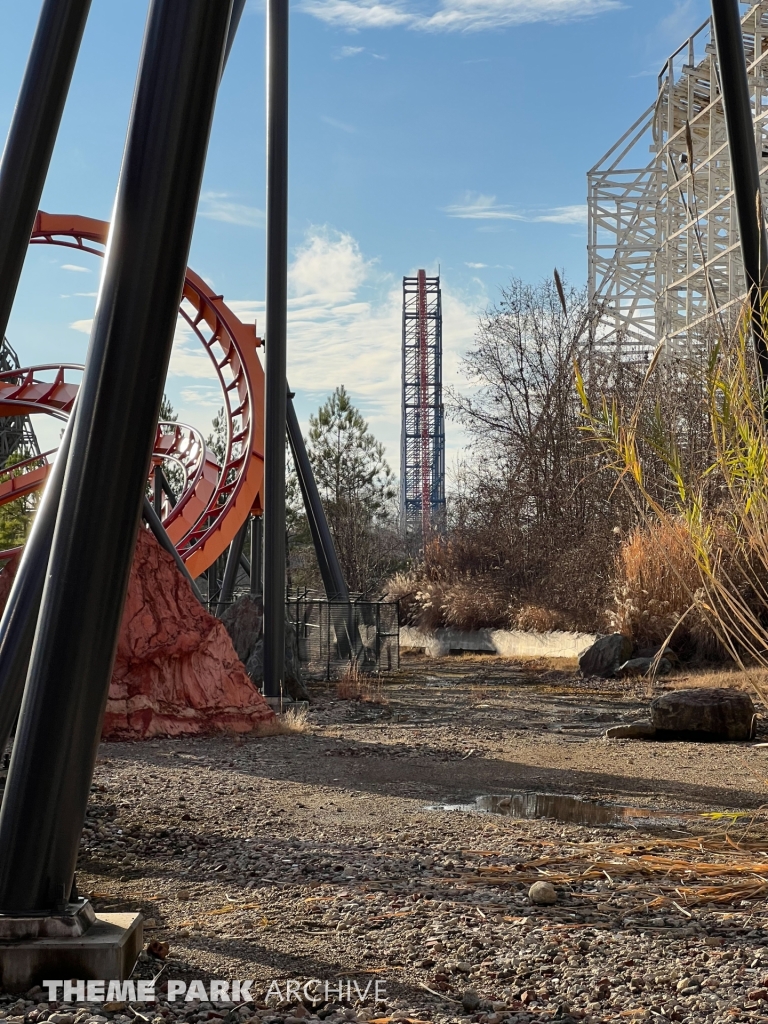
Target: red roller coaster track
[[215, 500]]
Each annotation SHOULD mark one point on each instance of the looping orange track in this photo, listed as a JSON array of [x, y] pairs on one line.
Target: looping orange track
[[216, 500]]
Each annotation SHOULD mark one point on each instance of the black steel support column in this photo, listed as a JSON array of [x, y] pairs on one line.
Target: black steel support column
[[325, 550], [257, 554], [168, 489], [19, 621], [155, 523], [276, 314], [72, 658], [230, 569], [33, 131], [157, 480], [213, 583], [726, 22], [237, 12]]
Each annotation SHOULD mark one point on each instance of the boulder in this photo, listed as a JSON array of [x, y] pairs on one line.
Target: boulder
[[177, 671], [605, 655], [643, 729], [244, 621], [706, 713], [651, 652], [643, 667]]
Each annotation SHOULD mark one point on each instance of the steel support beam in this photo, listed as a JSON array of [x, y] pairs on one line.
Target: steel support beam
[[726, 24], [325, 550], [230, 569], [31, 138], [72, 658], [19, 620], [257, 555], [237, 12], [155, 523], [168, 489], [276, 316], [157, 480]]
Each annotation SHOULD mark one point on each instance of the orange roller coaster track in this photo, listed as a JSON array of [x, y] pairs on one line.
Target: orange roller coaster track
[[216, 499]]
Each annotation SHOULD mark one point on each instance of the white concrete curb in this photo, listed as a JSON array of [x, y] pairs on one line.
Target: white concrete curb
[[509, 643]]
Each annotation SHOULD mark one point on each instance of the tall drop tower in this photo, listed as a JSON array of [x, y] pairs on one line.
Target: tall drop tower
[[422, 446]]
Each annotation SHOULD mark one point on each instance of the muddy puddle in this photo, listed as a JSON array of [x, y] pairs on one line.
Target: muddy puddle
[[578, 810]]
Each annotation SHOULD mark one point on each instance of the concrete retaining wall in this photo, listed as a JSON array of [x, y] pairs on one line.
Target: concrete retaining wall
[[509, 643]]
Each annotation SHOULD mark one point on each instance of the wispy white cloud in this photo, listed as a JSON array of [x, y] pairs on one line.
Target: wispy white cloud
[[75, 268], [206, 395], [341, 125], [189, 358], [476, 266], [348, 51], [453, 15], [84, 326], [354, 15], [221, 206], [483, 207], [562, 215]]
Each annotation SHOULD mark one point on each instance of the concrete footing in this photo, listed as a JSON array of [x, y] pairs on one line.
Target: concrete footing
[[76, 919], [108, 950]]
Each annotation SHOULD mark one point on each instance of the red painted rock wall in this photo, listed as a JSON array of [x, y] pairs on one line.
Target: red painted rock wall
[[6, 580], [176, 671]]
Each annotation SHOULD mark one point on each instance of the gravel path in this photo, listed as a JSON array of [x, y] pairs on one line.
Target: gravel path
[[320, 856]]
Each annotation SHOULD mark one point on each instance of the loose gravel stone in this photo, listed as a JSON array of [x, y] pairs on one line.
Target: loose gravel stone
[[543, 893]]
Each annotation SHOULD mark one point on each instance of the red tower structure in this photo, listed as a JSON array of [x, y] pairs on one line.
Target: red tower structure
[[422, 455]]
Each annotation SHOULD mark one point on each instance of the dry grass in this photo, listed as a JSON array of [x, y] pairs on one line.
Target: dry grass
[[354, 684], [688, 872], [403, 587], [292, 722], [475, 604], [537, 619], [657, 576]]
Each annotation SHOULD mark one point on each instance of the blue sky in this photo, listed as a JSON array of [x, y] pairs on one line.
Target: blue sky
[[424, 133]]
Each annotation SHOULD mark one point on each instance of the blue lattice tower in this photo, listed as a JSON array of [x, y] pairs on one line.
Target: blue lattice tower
[[422, 448]]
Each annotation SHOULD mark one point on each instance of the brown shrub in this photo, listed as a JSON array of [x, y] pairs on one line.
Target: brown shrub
[[403, 587], [475, 603], [656, 579], [537, 619]]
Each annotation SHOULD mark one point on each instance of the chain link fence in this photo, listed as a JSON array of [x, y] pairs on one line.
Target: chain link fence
[[333, 634]]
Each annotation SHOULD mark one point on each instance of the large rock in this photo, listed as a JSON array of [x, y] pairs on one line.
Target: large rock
[[643, 729], [605, 655], [644, 666], [177, 671], [706, 713], [244, 621]]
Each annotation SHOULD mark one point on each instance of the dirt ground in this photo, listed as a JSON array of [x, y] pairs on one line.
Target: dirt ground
[[329, 854]]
